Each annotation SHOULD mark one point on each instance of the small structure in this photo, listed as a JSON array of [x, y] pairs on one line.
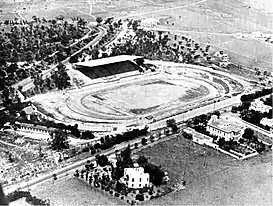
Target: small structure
[[224, 127], [29, 110], [267, 122], [150, 22], [136, 178], [202, 139], [259, 106]]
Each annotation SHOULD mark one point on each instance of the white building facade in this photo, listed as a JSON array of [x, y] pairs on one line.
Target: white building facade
[[136, 178], [224, 128]]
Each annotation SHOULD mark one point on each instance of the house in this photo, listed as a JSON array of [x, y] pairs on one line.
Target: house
[[224, 127], [135, 178], [267, 122], [29, 110], [259, 106]]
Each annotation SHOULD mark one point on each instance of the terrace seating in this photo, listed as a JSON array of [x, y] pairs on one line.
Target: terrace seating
[[109, 69]]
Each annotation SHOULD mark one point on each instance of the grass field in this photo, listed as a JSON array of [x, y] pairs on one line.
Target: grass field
[[73, 192], [145, 96], [212, 177]]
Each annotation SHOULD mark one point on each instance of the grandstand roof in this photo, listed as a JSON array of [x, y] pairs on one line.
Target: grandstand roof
[[108, 60]]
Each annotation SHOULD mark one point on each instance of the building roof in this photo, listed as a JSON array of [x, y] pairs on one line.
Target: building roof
[[134, 171], [224, 124], [36, 126], [28, 110], [201, 136], [109, 60], [266, 121]]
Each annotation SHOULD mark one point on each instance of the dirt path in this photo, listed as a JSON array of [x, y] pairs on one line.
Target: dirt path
[[165, 10]]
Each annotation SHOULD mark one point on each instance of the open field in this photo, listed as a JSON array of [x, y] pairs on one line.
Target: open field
[[212, 177], [73, 192]]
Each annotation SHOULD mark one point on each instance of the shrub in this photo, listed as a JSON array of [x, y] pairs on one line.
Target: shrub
[[140, 197], [143, 141], [116, 194]]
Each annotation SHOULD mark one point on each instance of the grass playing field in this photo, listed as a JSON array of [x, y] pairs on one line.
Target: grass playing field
[[149, 95]]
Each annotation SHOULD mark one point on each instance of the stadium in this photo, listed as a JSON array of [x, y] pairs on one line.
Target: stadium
[[123, 94]]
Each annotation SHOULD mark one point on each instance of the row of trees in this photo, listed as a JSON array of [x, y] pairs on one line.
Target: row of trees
[[60, 139], [33, 200], [255, 95]]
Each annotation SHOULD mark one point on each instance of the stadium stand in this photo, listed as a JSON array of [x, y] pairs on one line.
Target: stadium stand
[[108, 66]]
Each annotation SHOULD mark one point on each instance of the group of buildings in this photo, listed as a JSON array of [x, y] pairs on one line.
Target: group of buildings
[[220, 127]]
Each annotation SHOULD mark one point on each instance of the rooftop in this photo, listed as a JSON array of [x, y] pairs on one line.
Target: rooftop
[[224, 124], [109, 60], [35, 126]]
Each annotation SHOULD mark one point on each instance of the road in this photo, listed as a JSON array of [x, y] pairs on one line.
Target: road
[[68, 171], [185, 31]]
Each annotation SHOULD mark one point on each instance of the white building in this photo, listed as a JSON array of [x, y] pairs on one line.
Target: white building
[[136, 178], [31, 130], [149, 22], [259, 106], [224, 127], [267, 122]]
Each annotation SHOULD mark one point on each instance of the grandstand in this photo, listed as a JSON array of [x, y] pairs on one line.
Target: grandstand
[[108, 66]]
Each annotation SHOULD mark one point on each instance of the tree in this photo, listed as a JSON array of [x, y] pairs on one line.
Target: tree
[[135, 25], [234, 109], [171, 123], [59, 140], [99, 19], [248, 134], [140, 197], [142, 160], [143, 141], [102, 160], [87, 135]]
